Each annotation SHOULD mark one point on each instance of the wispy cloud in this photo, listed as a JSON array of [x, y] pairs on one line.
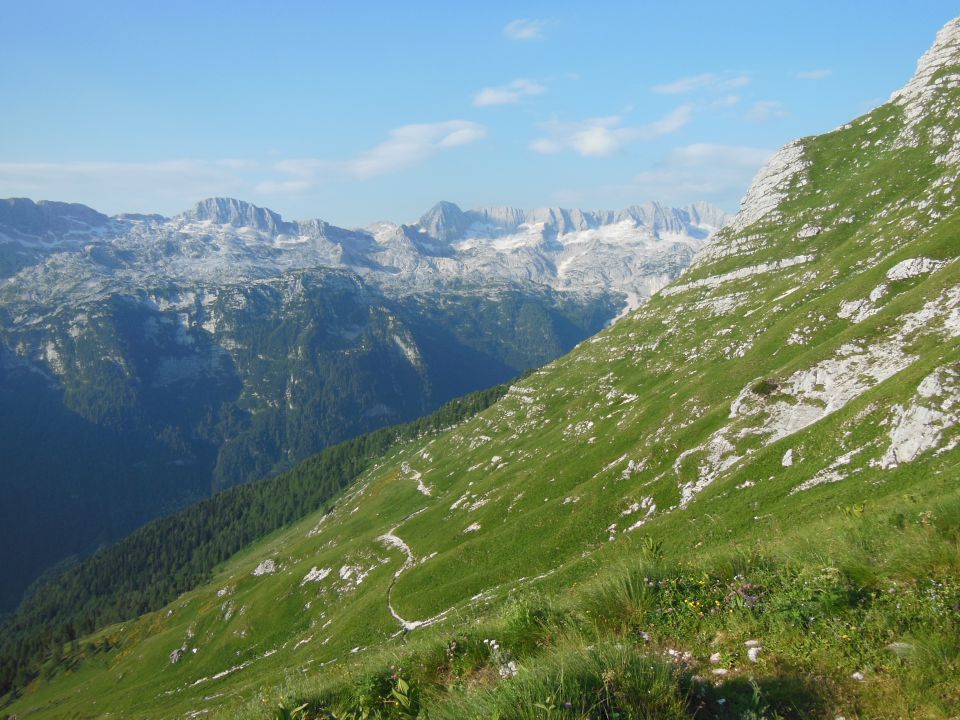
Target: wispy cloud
[[699, 154], [405, 147], [508, 94], [411, 144], [766, 110], [50, 179], [702, 171], [604, 136], [707, 81], [282, 187], [669, 123], [726, 101], [525, 29], [151, 184], [813, 74], [190, 168]]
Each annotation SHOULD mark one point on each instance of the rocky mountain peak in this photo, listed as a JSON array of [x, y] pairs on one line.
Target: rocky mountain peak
[[26, 217], [502, 217], [934, 67], [230, 211], [445, 221], [660, 218], [703, 213], [928, 94], [563, 220], [932, 94]]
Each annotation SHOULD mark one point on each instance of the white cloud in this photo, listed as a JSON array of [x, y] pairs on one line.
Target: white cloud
[[545, 146], [707, 81], [412, 144], [813, 74], [669, 123], [508, 94], [604, 136], [596, 141], [404, 147], [190, 168], [705, 153], [282, 187], [305, 167], [525, 29], [176, 184], [726, 101], [702, 171], [766, 110]]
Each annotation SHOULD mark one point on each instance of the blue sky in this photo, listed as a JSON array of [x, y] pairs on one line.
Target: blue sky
[[355, 112]]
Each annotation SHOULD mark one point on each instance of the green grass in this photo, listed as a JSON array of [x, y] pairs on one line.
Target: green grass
[[638, 641]]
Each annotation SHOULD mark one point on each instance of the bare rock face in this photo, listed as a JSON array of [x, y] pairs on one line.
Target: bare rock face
[[228, 211], [47, 219], [444, 221], [928, 93], [769, 187], [266, 567], [943, 53], [913, 267]]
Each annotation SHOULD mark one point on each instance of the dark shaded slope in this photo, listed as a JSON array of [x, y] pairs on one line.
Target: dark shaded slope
[[173, 554]]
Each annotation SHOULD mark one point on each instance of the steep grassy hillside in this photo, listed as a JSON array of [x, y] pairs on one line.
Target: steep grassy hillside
[[157, 562], [739, 501]]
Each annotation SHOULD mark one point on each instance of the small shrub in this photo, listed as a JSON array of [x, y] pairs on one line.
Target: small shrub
[[765, 387]]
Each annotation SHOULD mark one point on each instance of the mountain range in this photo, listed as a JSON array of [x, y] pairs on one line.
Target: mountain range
[[146, 362], [57, 253]]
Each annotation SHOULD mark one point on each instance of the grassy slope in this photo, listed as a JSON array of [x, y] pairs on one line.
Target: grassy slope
[[826, 578]]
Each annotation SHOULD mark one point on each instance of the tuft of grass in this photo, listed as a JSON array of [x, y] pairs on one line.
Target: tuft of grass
[[643, 639], [610, 680]]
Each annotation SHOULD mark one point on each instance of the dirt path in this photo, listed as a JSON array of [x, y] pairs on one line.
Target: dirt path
[[393, 540]]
